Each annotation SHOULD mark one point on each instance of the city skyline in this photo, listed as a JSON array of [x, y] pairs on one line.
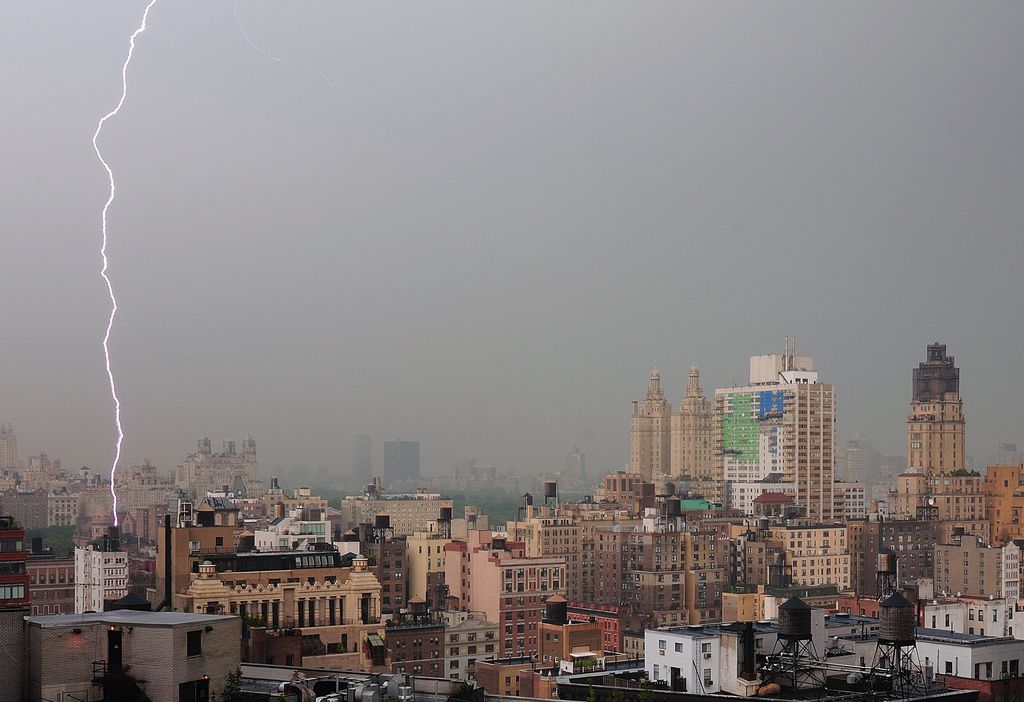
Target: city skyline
[[323, 276], [343, 466], [597, 352]]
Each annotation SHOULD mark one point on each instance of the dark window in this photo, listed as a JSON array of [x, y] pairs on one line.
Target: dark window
[[194, 691], [194, 643]]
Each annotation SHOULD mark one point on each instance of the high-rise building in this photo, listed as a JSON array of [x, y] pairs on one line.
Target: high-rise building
[[650, 434], [576, 464], [8, 448], [401, 461], [362, 458], [692, 440], [935, 424], [860, 461], [782, 424]]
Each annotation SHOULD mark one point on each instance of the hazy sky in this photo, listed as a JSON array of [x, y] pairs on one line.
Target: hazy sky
[[506, 217]]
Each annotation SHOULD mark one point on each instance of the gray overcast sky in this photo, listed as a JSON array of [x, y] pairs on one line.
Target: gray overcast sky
[[515, 211]]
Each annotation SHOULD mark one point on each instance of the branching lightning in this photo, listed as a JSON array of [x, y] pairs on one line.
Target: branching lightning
[[309, 67], [103, 250]]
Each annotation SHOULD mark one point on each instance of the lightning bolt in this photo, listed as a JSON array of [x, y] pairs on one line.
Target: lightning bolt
[[309, 67], [103, 249]]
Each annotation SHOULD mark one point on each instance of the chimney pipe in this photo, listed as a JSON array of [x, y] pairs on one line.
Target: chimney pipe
[[168, 567]]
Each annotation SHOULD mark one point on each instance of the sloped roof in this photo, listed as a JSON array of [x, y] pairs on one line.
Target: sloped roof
[[772, 497]]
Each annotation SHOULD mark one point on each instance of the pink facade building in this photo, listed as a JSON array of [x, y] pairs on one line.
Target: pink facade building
[[491, 575]]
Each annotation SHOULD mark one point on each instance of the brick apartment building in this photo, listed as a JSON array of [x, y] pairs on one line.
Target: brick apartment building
[[911, 540], [495, 577]]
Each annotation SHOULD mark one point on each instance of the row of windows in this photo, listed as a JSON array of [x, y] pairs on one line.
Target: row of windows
[[12, 592]]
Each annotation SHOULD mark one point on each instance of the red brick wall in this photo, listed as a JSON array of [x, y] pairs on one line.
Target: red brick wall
[[988, 690]]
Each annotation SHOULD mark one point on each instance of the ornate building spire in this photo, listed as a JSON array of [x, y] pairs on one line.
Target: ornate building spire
[[654, 391]]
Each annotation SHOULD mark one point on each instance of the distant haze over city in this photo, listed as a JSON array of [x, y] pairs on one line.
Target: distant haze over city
[[506, 217]]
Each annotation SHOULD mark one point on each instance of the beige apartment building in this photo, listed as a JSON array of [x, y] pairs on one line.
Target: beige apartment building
[[849, 500], [816, 554], [936, 426], [1004, 492], [692, 439], [958, 501], [409, 513], [650, 435], [589, 518], [424, 559], [340, 606], [468, 638], [546, 532], [971, 567], [206, 471], [666, 444], [275, 500], [62, 508], [143, 486]]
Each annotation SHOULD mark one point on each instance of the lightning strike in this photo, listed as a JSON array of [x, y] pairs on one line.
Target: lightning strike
[[103, 250], [309, 67]]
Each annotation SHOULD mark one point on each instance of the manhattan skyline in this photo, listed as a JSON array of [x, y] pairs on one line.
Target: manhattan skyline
[[493, 262]]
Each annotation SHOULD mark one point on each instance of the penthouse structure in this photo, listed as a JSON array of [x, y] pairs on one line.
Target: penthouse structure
[[298, 529]]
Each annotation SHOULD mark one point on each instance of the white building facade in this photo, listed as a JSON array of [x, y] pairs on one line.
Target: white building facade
[[969, 656], [99, 576], [296, 531], [686, 658]]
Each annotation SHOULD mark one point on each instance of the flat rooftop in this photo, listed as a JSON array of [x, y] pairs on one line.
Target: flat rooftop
[[127, 617], [944, 636]]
